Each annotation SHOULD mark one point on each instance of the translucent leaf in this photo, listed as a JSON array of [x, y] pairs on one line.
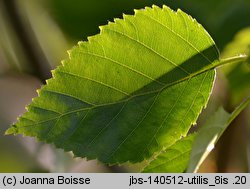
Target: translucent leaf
[[128, 92], [174, 159], [238, 75], [210, 133]]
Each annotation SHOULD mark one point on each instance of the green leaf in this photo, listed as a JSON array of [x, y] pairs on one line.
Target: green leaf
[[238, 74], [174, 159], [128, 92], [210, 133]]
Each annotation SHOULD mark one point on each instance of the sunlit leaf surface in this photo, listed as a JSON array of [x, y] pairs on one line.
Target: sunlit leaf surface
[[128, 92]]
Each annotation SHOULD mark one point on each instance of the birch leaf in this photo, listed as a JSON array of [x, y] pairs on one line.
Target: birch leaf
[[127, 93]]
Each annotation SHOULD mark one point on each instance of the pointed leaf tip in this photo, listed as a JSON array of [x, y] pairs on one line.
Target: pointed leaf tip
[[122, 96]]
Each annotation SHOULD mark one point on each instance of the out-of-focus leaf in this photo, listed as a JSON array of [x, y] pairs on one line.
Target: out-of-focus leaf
[[174, 159], [210, 133], [11, 57], [238, 75], [239, 45], [129, 92], [46, 32]]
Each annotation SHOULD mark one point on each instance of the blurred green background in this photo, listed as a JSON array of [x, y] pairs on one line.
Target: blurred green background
[[35, 37]]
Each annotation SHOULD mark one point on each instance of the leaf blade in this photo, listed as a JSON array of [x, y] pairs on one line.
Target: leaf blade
[[174, 159], [95, 90], [210, 133]]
